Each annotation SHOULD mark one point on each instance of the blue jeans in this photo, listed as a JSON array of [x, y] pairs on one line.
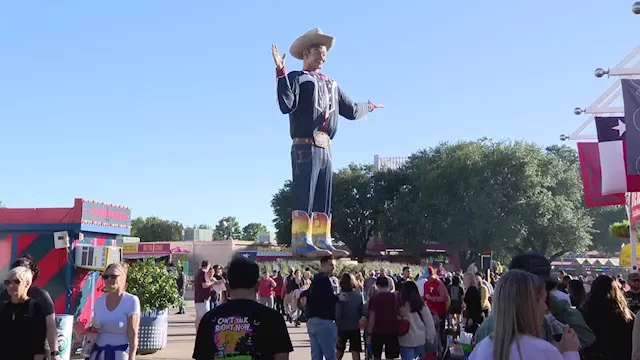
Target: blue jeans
[[182, 309], [323, 336], [312, 178], [411, 353]]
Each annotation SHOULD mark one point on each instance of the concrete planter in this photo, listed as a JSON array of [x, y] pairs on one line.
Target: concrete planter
[[152, 335]]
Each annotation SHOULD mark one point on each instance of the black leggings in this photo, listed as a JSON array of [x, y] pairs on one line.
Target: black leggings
[[280, 304]]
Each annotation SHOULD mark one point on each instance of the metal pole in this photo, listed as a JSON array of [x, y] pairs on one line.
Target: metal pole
[[633, 237], [601, 104]]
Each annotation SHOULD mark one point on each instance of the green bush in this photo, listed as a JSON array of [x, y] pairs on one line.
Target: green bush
[[153, 285], [341, 267]]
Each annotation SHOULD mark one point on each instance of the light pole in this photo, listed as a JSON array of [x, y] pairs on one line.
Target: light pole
[[228, 224]]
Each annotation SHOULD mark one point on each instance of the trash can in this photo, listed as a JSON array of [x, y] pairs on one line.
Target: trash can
[[64, 325]]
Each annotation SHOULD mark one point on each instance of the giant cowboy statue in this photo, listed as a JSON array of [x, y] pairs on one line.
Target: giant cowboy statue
[[313, 102]]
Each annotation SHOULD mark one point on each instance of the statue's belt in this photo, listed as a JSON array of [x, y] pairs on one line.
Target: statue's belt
[[319, 139]]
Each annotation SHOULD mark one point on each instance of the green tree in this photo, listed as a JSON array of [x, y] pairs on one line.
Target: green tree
[[282, 205], [480, 195], [557, 221], [602, 240], [252, 230], [155, 229], [1, 205], [354, 208], [227, 228]]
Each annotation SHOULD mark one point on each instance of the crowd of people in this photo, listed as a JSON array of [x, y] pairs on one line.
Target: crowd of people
[[525, 313]]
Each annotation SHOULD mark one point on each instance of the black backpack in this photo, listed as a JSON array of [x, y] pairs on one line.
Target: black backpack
[[291, 284]]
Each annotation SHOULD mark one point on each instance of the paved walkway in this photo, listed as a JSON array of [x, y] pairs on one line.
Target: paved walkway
[[182, 336]]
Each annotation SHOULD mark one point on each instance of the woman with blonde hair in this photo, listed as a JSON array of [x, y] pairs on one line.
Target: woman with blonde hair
[[359, 282], [23, 326], [519, 308], [118, 315], [472, 313]]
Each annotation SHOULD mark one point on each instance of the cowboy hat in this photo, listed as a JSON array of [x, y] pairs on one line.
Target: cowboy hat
[[312, 37]]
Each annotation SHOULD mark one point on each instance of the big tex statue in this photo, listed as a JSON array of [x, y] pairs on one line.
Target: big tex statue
[[313, 102]]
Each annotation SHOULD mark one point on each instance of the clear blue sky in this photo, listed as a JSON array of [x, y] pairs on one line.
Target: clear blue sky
[[169, 106]]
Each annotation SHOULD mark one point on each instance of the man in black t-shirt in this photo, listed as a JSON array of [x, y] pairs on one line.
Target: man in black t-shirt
[[43, 298], [241, 328], [633, 295], [404, 277]]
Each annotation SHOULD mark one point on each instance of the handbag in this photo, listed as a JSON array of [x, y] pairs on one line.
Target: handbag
[[403, 326]]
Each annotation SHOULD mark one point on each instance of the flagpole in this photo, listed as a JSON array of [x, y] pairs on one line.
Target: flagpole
[[633, 237]]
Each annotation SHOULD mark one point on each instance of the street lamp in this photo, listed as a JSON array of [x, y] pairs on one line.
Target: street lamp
[[229, 227]]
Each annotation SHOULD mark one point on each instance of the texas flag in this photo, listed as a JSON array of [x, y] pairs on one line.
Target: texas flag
[[249, 255], [612, 151], [592, 178]]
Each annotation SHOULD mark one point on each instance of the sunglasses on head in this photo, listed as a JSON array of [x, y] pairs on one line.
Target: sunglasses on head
[[9, 282], [110, 276]]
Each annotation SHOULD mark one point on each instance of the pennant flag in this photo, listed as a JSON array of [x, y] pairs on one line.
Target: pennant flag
[[592, 178], [631, 97], [611, 149]]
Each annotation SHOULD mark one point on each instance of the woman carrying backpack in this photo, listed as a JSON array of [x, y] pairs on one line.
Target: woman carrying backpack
[[456, 293]]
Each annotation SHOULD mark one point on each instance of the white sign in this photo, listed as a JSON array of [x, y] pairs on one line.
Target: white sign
[[130, 239]]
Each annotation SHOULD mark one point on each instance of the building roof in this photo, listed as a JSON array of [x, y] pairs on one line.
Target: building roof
[[84, 215]]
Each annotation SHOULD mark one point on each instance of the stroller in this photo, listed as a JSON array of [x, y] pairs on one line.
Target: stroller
[[302, 308]]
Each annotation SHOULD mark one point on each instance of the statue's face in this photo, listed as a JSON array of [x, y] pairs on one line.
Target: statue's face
[[315, 57]]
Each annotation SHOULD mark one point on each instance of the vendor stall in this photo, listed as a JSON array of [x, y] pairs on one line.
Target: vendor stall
[[180, 256]]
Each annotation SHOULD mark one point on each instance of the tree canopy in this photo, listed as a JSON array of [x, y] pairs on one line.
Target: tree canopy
[[252, 231], [155, 229], [227, 228], [505, 196]]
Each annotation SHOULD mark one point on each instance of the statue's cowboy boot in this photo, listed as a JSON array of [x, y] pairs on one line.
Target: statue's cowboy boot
[[301, 244], [321, 235]]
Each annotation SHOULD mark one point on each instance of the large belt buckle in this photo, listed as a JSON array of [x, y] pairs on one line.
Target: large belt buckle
[[321, 139]]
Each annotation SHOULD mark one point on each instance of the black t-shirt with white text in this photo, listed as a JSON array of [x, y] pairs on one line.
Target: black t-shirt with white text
[[243, 330]]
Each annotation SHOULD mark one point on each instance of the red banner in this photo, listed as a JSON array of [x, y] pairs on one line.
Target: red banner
[[635, 209], [592, 178], [147, 248]]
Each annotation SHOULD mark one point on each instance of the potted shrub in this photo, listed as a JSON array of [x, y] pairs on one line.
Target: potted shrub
[[157, 291], [620, 229]]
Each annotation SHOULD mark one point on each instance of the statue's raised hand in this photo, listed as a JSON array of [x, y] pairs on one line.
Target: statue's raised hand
[[277, 59]]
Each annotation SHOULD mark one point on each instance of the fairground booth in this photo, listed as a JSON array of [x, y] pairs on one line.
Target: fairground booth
[[161, 251], [71, 245]]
